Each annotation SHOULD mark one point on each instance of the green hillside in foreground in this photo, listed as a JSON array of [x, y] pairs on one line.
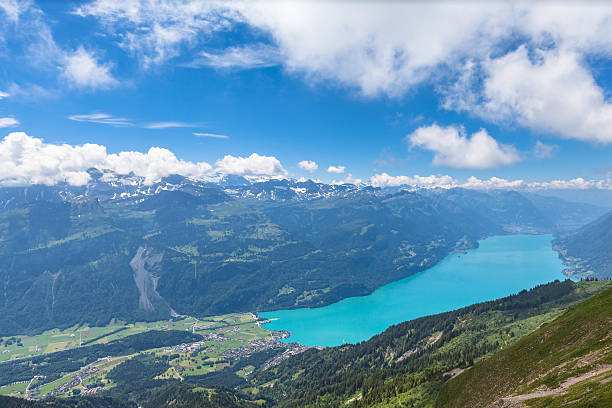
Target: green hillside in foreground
[[567, 362]]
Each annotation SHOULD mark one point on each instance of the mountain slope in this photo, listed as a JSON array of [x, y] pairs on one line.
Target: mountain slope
[[589, 250], [569, 359]]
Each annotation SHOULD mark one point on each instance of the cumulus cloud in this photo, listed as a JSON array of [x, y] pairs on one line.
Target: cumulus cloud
[[82, 69], [377, 47], [254, 165], [6, 122], [385, 180], [380, 48], [102, 118], [444, 181], [212, 135], [308, 165], [453, 148], [155, 164], [349, 179], [501, 183], [493, 183], [28, 160], [573, 184], [4, 95], [336, 169], [550, 91], [544, 151]]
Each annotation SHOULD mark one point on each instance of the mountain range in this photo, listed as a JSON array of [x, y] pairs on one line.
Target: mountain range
[[117, 248]]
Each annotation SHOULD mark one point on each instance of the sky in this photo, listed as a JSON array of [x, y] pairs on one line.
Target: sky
[[441, 93]]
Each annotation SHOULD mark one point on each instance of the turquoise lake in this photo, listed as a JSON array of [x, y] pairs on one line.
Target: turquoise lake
[[502, 265]]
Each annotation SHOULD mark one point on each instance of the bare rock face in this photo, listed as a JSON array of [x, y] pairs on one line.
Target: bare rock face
[[146, 265]]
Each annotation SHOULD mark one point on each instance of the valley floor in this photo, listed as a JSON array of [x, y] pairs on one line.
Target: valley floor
[[225, 338]]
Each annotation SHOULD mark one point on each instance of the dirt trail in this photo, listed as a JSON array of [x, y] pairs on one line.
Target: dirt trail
[[517, 400]]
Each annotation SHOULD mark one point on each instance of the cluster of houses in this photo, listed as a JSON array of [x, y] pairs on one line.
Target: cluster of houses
[[292, 350]]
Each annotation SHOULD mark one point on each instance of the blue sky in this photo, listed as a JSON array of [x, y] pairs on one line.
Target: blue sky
[[517, 92]]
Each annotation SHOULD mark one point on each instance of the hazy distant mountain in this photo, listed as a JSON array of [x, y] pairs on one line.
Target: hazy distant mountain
[[589, 250], [597, 197]]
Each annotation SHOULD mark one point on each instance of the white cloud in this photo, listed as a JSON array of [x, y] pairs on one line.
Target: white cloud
[[213, 135], [155, 164], [25, 25], [30, 92], [27, 160], [544, 151], [6, 122], [308, 165], [167, 125], [157, 30], [453, 148], [389, 47], [13, 8], [573, 184], [106, 119], [445, 181], [550, 91], [101, 118], [378, 48], [254, 165], [82, 69], [4, 95], [243, 57], [493, 183], [385, 180], [336, 169], [501, 183], [349, 179]]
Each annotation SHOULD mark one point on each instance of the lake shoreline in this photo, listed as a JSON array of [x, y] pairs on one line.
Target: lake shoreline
[[506, 265]]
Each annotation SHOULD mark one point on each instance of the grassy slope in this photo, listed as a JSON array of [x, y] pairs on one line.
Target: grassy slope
[[577, 343]]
